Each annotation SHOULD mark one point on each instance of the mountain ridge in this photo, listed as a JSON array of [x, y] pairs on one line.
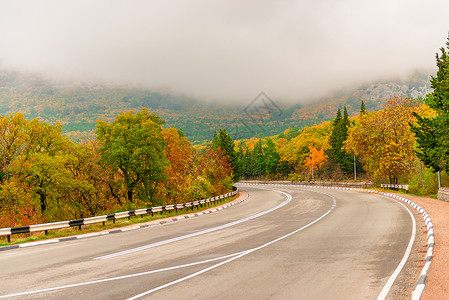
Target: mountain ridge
[[78, 107]]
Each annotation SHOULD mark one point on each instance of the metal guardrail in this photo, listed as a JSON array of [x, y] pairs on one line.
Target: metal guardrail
[[112, 217], [394, 186]]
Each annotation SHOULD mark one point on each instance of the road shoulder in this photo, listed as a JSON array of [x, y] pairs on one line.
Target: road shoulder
[[437, 282]]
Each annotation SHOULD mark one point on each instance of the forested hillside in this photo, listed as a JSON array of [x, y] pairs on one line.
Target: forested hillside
[[78, 107]]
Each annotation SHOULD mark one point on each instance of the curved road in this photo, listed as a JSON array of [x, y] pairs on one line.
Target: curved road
[[313, 245]]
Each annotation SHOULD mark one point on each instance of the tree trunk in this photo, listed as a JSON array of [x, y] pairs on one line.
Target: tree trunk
[[130, 196], [43, 199]]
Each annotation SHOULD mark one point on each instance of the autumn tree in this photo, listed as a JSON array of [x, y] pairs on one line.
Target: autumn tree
[[18, 207], [45, 169], [315, 160], [97, 188], [211, 174], [133, 145], [384, 141], [179, 154], [432, 133], [17, 137], [38, 161], [36, 155], [294, 152]]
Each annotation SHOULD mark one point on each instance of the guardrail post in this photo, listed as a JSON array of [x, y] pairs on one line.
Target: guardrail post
[[46, 232], [79, 227], [103, 223], [9, 238]]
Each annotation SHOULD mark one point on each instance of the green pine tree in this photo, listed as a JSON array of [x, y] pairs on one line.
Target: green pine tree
[[227, 145], [362, 108], [432, 134], [272, 157], [259, 158], [339, 134]]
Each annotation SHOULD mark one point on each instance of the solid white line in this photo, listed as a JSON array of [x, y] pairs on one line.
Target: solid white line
[[186, 277], [230, 256], [120, 277], [233, 258], [164, 242], [383, 294]]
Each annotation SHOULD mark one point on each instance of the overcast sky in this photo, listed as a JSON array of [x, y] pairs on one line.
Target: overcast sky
[[224, 50]]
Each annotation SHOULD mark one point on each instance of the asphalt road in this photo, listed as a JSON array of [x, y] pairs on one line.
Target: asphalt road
[[337, 245]]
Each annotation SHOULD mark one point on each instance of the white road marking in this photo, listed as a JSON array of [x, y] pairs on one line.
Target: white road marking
[[197, 233], [233, 258], [119, 277], [383, 294]]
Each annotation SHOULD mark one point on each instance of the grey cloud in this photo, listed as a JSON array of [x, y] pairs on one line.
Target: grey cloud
[[223, 50]]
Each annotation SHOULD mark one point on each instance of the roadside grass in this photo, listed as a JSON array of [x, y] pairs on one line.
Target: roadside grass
[[96, 227]]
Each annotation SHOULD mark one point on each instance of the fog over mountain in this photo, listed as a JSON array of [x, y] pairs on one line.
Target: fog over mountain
[[224, 51]]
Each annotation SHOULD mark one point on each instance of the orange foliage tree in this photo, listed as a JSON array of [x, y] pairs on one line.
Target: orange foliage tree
[[316, 159], [179, 153], [211, 174]]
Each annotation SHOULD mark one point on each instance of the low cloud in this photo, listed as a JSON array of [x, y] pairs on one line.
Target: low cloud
[[223, 51]]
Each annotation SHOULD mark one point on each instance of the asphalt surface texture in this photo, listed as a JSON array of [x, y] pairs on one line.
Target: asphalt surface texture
[[304, 243]]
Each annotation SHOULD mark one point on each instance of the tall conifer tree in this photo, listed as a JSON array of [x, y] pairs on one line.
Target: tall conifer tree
[[338, 136], [362, 108], [432, 134], [226, 143]]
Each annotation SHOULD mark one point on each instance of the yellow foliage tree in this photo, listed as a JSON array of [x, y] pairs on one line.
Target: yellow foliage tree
[[295, 151], [383, 140]]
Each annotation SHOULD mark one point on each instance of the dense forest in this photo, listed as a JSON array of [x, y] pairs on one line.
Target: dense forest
[[379, 145], [134, 162]]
